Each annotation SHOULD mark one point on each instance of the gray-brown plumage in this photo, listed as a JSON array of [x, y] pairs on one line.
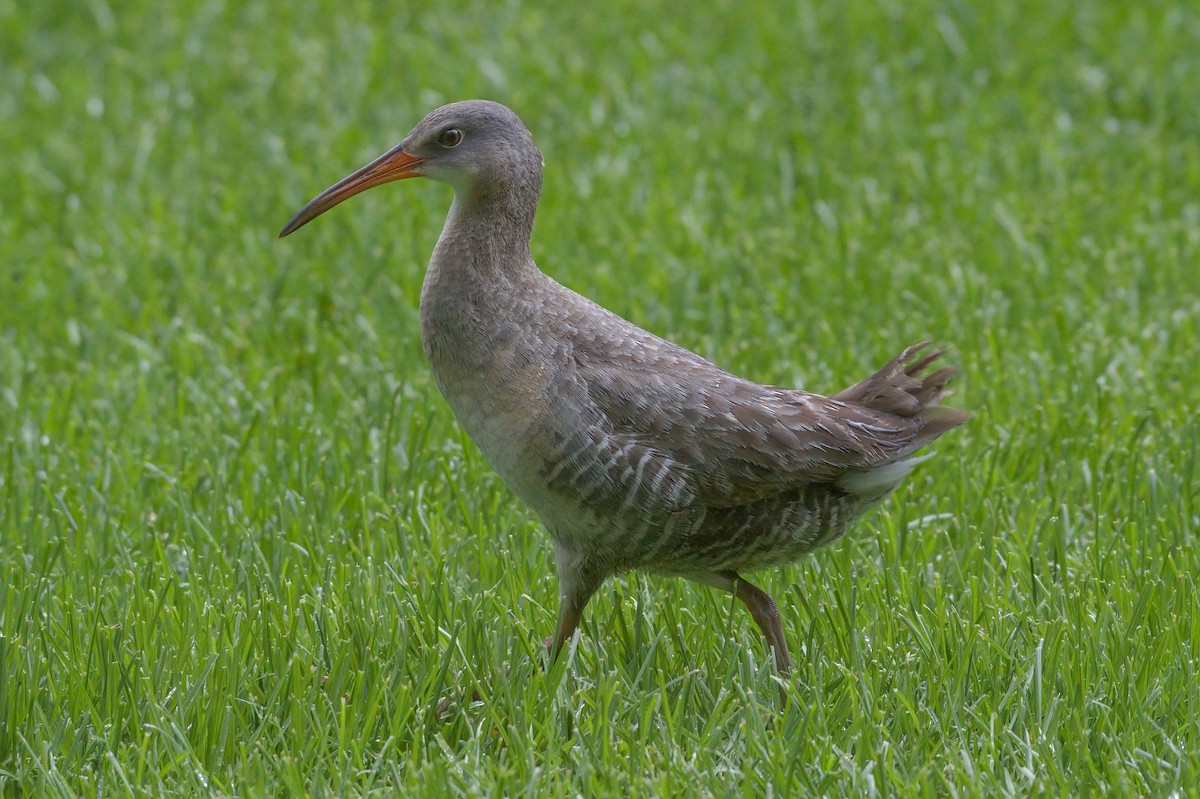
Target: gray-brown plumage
[[635, 453]]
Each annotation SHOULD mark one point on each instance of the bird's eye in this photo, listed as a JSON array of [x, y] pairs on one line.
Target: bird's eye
[[451, 137]]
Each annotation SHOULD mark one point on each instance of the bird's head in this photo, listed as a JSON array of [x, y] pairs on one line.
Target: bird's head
[[474, 145]]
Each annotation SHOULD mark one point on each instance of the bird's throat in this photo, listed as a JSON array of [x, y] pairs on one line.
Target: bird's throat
[[480, 272]]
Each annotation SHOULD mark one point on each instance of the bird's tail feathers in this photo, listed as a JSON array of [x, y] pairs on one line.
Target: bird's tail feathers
[[899, 388]]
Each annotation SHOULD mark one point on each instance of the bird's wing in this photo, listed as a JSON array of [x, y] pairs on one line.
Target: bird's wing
[[744, 442], [736, 441]]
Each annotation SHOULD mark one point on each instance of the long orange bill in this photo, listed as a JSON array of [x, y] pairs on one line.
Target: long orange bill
[[395, 164]]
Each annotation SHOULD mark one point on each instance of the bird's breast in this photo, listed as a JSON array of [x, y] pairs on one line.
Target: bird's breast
[[496, 378]]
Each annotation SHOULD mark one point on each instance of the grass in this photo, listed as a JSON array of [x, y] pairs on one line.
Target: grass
[[245, 550]]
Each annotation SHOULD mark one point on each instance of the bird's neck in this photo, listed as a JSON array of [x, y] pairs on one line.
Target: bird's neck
[[487, 232], [480, 277]]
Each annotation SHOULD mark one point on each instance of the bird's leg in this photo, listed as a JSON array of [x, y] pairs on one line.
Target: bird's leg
[[762, 609], [765, 613], [576, 585], [570, 611]]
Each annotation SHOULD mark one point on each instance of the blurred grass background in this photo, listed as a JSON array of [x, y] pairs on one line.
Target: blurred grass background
[[245, 550]]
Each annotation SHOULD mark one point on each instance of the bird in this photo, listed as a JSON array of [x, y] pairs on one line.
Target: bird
[[635, 453]]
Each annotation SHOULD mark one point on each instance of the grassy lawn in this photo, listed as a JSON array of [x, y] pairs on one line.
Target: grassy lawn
[[245, 549]]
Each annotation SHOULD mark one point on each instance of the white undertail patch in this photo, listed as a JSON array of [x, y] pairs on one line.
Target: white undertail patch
[[873, 483]]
